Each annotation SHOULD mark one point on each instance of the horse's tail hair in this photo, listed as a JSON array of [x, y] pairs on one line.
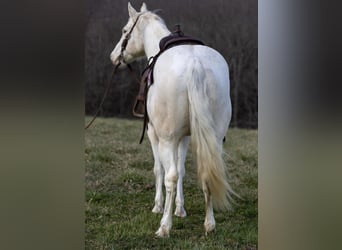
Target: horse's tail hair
[[206, 147]]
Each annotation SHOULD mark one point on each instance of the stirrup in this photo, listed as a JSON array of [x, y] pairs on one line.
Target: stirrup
[[136, 109]]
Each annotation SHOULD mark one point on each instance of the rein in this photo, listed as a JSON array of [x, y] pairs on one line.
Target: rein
[[104, 95], [107, 90], [121, 59]]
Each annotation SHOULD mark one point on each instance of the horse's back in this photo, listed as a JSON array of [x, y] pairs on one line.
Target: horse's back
[[206, 55]]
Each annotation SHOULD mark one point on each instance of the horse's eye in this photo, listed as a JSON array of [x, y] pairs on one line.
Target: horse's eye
[[124, 31]]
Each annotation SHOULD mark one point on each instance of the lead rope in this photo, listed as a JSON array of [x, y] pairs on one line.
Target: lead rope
[[108, 87], [104, 95]]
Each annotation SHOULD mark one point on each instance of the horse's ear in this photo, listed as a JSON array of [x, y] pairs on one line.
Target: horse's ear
[[131, 11], [143, 7]]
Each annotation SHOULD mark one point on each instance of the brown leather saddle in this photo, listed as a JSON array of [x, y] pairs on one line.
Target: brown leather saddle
[[176, 38]]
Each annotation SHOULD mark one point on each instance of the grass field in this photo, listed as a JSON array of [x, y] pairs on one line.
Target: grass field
[[120, 193]]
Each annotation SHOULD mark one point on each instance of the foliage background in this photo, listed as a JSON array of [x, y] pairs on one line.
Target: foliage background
[[229, 26]]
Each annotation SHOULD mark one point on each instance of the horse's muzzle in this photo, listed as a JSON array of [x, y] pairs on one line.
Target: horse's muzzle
[[115, 59]]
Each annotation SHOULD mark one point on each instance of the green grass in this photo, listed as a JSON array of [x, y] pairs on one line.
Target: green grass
[[120, 193]]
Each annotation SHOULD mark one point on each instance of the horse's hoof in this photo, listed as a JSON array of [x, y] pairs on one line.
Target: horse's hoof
[[209, 228], [162, 233], [180, 212], [157, 210]]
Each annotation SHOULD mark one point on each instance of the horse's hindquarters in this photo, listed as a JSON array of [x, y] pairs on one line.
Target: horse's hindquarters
[[168, 104], [168, 110]]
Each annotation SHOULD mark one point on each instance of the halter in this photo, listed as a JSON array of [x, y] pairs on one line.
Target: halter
[[125, 41]]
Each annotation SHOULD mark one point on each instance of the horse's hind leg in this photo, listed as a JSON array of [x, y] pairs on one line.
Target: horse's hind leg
[[158, 171], [182, 150], [209, 223], [168, 156]]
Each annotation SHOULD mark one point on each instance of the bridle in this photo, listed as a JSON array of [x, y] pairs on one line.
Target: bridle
[[128, 36], [125, 42]]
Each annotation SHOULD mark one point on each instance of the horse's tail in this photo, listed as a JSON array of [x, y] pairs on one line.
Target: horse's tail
[[206, 147]]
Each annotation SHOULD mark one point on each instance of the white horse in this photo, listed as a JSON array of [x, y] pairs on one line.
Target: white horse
[[189, 97]]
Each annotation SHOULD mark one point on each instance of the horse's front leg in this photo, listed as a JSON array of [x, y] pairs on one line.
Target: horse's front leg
[[182, 150], [158, 171]]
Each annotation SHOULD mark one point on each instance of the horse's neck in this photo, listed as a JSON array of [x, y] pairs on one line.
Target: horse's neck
[[154, 31]]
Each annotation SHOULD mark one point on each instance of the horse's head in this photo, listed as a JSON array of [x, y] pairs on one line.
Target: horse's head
[[130, 46]]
